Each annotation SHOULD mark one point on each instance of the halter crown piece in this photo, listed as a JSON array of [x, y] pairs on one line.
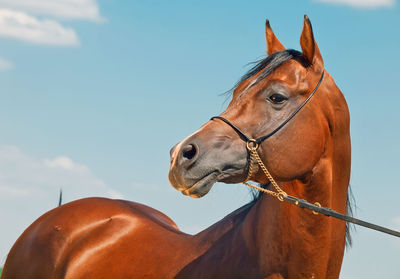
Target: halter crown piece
[[252, 146]]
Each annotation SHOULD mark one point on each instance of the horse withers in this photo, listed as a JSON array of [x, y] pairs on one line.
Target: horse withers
[[309, 158]]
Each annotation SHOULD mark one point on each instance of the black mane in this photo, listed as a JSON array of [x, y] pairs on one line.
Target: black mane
[[268, 64]]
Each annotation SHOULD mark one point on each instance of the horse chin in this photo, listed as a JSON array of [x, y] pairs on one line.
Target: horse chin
[[202, 186]]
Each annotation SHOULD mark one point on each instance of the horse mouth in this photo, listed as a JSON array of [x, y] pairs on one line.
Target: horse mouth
[[203, 186]]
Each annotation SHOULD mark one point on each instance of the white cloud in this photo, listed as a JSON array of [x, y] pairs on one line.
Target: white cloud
[[21, 174], [63, 162], [67, 9], [22, 26], [5, 65], [362, 3], [30, 186], [19, 19]]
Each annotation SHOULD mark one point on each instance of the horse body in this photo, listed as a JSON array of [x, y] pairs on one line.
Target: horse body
[[114, 239], [102, 238]]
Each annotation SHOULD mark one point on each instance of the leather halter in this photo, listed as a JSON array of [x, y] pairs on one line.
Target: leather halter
[[252, 145], [261, 139]]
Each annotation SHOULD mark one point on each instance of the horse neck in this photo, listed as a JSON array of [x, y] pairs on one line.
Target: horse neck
[[275, 231]]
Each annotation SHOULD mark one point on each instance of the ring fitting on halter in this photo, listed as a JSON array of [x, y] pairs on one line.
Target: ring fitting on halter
[[281, 196], [252, 144], [317, 204]]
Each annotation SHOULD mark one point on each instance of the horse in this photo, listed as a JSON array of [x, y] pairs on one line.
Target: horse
[[309, 157]]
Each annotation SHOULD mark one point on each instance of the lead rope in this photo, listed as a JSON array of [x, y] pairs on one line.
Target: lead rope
[[281, 195]]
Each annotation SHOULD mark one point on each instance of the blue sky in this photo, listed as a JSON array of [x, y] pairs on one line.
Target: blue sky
[[93, 95]]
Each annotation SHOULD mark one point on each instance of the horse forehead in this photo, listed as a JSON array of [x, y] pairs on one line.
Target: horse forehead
[[291, 72]]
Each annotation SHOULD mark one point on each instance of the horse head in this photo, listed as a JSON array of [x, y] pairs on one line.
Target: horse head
[[263, 99]]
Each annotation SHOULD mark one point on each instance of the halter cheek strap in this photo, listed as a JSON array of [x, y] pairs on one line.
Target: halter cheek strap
[[253, 144], [261, 139]]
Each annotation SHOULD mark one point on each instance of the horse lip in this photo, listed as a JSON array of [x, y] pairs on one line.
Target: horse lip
[[206, 182]]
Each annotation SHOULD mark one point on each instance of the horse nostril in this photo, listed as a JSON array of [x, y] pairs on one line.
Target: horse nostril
[[189, 151]]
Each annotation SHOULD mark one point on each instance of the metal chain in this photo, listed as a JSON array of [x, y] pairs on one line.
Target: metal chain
[[281, 195], [250, 172], [252, 146]]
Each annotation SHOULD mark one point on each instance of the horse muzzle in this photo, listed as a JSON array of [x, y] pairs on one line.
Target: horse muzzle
[[198, 162]]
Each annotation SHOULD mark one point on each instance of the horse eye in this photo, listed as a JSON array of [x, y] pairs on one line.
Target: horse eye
[[277, 98]]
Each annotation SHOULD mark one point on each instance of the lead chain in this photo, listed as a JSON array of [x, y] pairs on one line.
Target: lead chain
[[252, 147]]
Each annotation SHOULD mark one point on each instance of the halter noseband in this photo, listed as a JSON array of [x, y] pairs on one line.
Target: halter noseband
[[261, 139]]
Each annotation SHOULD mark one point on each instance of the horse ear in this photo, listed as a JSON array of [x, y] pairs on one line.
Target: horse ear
[[273, 44], [309, 46]]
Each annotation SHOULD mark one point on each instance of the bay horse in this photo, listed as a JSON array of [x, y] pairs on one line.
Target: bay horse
[[309, 158]]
